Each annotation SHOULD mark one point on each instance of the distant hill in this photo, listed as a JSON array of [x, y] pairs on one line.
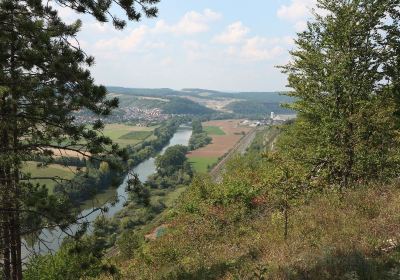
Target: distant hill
[[268, 97], [271, 97], [183, 106], [143, 91], [257, 108], [197, 101]]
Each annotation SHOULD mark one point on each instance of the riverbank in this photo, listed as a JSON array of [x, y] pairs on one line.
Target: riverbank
[[53, 238]]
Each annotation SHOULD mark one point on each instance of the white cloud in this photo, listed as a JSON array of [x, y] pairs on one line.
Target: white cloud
[[195, 50], [297, 12], [297, 9], [191, 23], [128, 43], [259, 48], [156, 45], [167, 61], [256, 49], [233, 34], [144, 38], [251, 49], [300, 25], [97, 27], [65, 13]]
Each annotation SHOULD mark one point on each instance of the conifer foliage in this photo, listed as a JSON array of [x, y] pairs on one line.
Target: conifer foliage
[[44, 79]]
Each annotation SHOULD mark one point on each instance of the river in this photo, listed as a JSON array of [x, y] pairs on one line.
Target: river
[[53, 238]]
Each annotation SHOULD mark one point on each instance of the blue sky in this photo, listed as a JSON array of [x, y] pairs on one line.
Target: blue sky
[[216, 44]]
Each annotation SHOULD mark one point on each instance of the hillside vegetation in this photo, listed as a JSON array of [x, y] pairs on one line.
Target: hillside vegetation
[[235, 230], [324, 202], [185, 107], [257, 108]]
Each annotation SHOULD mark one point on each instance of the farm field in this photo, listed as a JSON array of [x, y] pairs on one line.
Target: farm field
[[201, 164], [214, 130], [53, 170], [225, 134], [124, 135]]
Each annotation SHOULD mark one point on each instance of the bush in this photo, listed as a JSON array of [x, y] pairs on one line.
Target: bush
[[128, 243]]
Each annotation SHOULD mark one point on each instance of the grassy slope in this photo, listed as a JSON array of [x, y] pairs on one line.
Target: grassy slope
[[216, 234], [213, 130]]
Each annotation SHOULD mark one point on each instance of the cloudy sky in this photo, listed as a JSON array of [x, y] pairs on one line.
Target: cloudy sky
[[224, 45]]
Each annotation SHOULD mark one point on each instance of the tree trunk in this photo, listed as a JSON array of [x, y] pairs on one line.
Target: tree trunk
[[5, 200]]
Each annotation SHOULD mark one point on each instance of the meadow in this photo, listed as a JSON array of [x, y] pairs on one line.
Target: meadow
[[53, 170], [214, 130], [120, 133], [125, 135], [202, 164]]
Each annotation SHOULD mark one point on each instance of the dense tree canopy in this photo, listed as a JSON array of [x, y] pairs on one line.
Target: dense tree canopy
[[172, 160], [199, 137], [342, 75]]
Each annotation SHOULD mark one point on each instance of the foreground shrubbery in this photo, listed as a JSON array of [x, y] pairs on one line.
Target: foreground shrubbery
[[232, 230]]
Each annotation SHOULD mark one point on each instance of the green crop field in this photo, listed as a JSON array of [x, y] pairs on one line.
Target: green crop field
[[124, 135], [214, 130], [136, 135], [200, 164], [53, 170]]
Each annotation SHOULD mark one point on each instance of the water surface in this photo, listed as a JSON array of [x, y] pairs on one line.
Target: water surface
[[53, 238]]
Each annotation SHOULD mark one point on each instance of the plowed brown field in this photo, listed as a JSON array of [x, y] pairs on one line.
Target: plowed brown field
[[221, 144]]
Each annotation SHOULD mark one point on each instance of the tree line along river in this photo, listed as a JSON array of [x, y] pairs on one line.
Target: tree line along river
[[51, 240]]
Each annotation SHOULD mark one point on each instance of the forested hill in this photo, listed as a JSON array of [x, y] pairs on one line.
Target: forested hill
[[257, 108], [205, 102], [272, 97], [142, 91], [183, 106]]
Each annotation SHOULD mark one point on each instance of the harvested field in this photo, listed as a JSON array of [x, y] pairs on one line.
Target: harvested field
[[221, 144]]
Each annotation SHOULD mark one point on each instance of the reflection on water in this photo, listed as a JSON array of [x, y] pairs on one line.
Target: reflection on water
[[55, 237]]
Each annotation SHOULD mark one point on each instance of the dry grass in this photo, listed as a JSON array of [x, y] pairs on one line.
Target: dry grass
[[328, 239]]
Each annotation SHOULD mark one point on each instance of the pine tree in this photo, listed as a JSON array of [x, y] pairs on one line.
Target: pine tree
[[43, 81]]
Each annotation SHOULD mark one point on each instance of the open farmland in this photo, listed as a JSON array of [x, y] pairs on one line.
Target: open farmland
[[124, 135], [214, 130], [53, 170], [225, 134], [202, 164]]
